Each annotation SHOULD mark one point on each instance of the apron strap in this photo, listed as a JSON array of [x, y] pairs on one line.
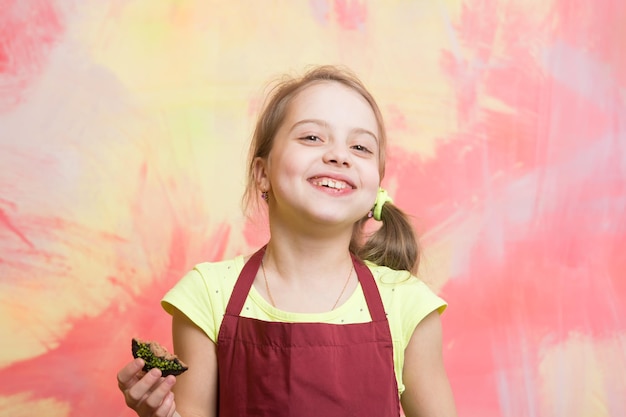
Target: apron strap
[[370, 290], [250, 269], [244, 283]]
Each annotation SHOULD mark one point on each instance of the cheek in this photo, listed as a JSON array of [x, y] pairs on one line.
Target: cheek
[[373, 173], [288, 169], [371, 181], [283, 169]]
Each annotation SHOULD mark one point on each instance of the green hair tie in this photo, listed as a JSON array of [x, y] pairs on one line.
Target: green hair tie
[[381, 198]]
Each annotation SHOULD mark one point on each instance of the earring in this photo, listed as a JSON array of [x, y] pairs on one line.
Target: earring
[[370, 214], [264, 196]]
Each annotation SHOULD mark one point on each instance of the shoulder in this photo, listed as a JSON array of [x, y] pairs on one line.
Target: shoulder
[[406, 298], [387, 276], [202, 293], [402, 285], [211, 271], [208, 275]]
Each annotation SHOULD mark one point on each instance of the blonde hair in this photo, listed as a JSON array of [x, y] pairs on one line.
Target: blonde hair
[[394, 244]]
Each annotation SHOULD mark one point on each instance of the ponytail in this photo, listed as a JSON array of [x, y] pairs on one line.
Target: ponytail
[[393, 245]]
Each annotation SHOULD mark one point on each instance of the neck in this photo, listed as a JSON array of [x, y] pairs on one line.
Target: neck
[[304, 257], [307, 271]]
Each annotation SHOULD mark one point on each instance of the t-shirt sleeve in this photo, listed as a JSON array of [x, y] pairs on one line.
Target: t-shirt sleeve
[[419, 302], [407, 301], [192, 297]]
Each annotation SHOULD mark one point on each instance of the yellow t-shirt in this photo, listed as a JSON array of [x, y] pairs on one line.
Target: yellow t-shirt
[[203, 293]]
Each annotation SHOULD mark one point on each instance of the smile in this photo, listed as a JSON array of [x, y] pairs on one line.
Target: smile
[[331, 183]]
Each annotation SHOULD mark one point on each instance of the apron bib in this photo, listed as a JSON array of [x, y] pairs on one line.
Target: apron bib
[[275, 369]]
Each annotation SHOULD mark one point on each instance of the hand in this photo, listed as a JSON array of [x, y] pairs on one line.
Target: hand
[[149, 394]]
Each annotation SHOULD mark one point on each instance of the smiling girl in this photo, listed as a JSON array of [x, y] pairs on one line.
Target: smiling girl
[[323, 320]]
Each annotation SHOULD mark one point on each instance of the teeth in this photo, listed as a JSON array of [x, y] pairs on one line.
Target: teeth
[[326, 182]]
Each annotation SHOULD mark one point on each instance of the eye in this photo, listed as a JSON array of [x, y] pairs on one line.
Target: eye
[[311, 138], [361, 148]]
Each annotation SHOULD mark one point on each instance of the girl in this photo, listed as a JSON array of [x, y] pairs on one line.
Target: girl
[[323, 320]]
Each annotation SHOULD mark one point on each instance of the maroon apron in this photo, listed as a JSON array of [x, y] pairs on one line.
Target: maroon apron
[[277, 369]]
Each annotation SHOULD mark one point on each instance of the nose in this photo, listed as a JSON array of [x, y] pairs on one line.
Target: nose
[[338, 155]]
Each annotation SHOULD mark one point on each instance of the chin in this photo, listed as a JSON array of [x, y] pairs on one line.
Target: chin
[[333, 219]]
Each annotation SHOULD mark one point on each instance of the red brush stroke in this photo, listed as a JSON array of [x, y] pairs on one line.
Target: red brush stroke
[[5, 222], [28, 30], [561, 272], [82, 370], [597, 28], [351, 14]]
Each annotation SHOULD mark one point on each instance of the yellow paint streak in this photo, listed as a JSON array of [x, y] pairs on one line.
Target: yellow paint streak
[[217, 58], [23, 406], [579, 375]]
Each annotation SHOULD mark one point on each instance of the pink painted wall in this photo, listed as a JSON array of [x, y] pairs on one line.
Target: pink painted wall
[[123, 127]]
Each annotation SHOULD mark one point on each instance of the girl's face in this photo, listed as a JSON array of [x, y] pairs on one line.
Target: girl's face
[[323, 166]]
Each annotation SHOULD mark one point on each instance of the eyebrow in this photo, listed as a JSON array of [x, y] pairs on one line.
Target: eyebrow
[[323, 124]]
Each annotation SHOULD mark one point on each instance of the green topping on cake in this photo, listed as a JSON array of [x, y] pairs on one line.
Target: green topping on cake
[[156, 356]]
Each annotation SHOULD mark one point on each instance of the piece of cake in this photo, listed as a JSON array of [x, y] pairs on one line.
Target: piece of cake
[[156, 356]]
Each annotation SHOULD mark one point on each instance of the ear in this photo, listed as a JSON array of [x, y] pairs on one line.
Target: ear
[[260, 172]]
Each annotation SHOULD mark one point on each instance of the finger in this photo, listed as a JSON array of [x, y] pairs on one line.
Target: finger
[[168, 406], [160, 401], [130, 374], [172, 408], [142, 389], [159, 394]]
